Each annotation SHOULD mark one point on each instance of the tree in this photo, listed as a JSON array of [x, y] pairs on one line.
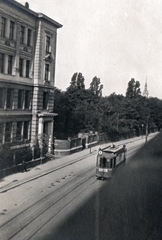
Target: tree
[[133, 89], [155, 112], [134, 106], [96, 87], [63, 108], [84, 110], [115, 116], [77, 81]]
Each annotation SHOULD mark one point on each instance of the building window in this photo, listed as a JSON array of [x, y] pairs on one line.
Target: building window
[[18, 130], [9, 98], [1, 63], [1, 132], [26, 130], [10, 64], [45, 100], [12, 27], [3, 27], [46, 77], [27, 99], [8, 131], [29, 37], [47, 44], [20, 98], [21, 67], [27, 68], [22, 34], [1, 97]]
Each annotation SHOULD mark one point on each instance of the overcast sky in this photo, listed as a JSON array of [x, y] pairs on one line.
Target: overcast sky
[[115, 40]]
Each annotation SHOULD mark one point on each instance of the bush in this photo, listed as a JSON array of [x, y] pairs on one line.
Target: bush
[[23, 154], [6, 154]]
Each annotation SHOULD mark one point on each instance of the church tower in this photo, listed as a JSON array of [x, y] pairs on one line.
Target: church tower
[[145, 92]]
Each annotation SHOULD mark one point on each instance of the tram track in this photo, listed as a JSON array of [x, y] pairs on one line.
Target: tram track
[[26, 223], [50, 206], [132, 150], [90, 181], [13, 185]]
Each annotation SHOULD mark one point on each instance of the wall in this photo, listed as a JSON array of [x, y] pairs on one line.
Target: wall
[[66, 147]]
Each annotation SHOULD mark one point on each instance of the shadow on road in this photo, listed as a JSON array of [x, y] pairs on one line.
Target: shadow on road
[[129, 207]]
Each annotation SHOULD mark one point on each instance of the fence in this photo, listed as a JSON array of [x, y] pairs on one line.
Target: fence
[[66, 147]]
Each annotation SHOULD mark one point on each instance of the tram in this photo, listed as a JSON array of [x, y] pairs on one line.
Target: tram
[[108, 159]]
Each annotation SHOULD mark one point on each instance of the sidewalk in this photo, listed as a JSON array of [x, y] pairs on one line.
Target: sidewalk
[[20, 178]]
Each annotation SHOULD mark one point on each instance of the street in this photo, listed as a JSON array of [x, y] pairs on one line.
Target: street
[[71, 204]]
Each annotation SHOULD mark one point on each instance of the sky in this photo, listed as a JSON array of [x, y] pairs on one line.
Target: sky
[[115, 40]]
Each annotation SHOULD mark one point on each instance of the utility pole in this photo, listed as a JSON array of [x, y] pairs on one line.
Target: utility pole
[[146, 94], [146, 129]]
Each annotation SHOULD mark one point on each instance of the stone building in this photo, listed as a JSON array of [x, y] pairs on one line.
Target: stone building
[[27, 74]]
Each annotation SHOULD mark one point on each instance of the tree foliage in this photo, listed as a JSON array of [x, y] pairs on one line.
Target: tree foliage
[[133, 89], [85, 110], [96, 87], [77, 81]]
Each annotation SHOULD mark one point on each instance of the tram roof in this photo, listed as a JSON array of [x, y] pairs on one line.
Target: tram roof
[[112, 149]]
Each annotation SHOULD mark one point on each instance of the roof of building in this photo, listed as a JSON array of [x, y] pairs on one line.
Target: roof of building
[[25, 7]]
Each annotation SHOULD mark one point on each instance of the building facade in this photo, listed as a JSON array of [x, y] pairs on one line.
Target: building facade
[[27, 74]]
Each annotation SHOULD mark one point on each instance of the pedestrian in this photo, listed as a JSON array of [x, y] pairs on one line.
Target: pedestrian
[[24, 166]]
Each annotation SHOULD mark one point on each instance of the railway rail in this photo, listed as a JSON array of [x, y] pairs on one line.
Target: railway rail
[[25, 224], [14, 185]]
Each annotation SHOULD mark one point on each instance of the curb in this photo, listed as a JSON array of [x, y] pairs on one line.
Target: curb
[[5, 189]]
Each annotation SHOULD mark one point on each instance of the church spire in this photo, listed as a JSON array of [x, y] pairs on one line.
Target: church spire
[[145, 92]]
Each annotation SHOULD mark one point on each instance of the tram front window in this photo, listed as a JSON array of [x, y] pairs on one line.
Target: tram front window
[[103, 163]]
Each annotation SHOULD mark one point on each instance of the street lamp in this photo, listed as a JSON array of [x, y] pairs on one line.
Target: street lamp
[[142, 130]]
